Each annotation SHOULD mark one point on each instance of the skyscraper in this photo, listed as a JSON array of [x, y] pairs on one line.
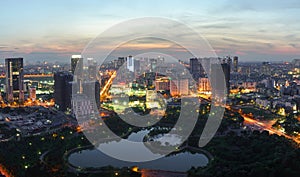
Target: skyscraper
[[229, 62], [14, 80], [76, 61], [235, 64], [130, 63], [92, 69], [195, 67], [63, 90], [92, 90], [219, 86], [179, 87], [226, 70]]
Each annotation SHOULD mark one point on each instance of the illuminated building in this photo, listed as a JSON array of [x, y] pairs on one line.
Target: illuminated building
[[162, 84], [76, 61], [32, 93], [14, 80], [151, 95], [63, 90], [179, 87], [204, 85]]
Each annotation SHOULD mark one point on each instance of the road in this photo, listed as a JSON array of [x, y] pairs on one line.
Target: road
[[105, 89], [267, 125]]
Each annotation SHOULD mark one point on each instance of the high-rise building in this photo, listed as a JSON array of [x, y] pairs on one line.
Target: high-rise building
[[204, 84], [83, 107], [76, 61], [92, 69], [92, 90], [195, 67], [229, 62], [14, 80], [130, 63], [219, 84], [63, 90], [226, 70], [153, 64], [32, 93], [179, 87], [199, 67], [162, 84], [235, 64]]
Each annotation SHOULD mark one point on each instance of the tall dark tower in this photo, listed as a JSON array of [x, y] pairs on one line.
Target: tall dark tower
[[195, 68], [63, 90], [14, 80], [226, 70], [218, 82], [235, 64], [229, 62]]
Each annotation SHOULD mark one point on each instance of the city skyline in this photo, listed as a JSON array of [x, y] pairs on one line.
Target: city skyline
[[55, 30]]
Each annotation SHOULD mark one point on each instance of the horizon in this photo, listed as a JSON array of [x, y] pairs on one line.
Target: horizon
[[56, 30]]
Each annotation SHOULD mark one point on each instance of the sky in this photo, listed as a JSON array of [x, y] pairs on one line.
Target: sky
[[254, 30]]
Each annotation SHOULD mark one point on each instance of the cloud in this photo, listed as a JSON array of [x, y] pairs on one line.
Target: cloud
[[293, 45], [216, 26], [269, 45], [3, 46]]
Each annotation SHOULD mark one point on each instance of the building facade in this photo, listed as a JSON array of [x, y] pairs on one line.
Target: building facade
[[14, 80]]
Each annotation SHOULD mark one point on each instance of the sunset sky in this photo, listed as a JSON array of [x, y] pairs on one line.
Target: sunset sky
[[54, 30]]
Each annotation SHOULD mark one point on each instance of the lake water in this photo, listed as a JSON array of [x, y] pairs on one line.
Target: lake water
[[180, 162]]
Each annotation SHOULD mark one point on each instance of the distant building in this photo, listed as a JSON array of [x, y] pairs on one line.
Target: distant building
[[199, 67], [120, 62], [296, 63], [83, 107], [92, 90], [226, 70], [14, 80], [130, 63], [235, 64], [229, 62], [63, 90], [220, 84], [92, 69], [76, 61], [204, 85], [195, 67], [32, 93], [266, 68], [179, 87], [162, 84]]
